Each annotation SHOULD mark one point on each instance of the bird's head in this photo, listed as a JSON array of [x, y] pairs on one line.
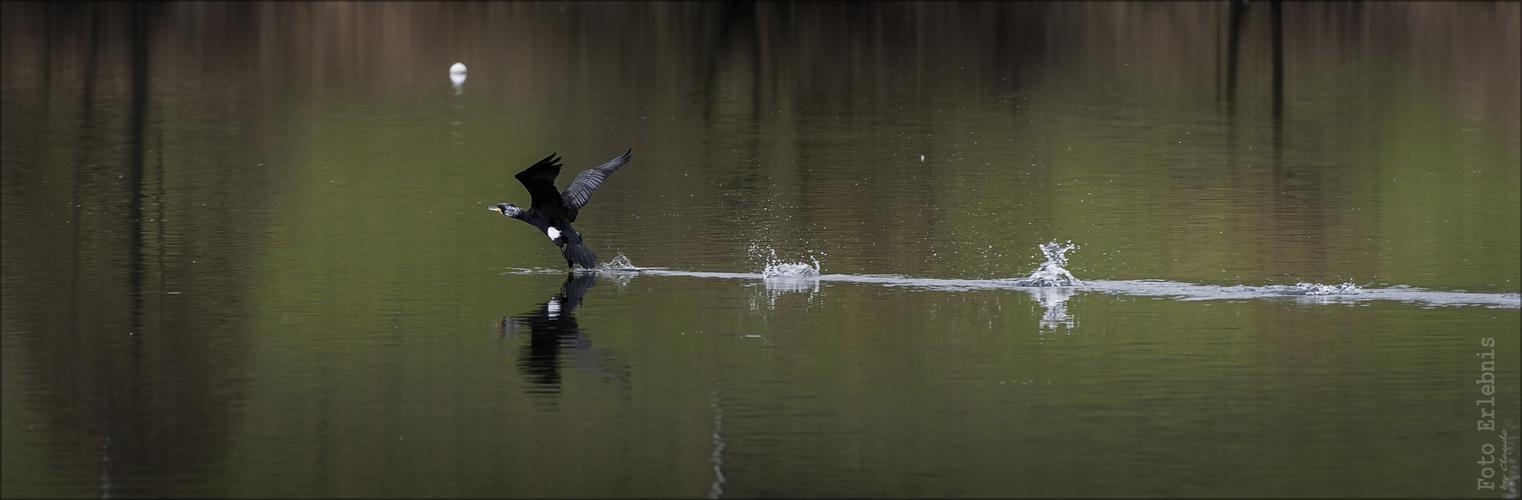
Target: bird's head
[[508, 209]]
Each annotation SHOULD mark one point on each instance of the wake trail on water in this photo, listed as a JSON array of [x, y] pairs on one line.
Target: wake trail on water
[[781, 275]]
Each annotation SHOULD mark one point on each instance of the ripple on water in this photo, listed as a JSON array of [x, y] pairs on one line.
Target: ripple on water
[[782, 276]]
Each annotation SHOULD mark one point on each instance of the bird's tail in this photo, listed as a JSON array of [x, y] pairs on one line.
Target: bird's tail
[[579, 254]]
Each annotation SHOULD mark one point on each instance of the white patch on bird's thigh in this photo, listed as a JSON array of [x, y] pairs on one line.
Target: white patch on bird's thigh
[[554, 233]]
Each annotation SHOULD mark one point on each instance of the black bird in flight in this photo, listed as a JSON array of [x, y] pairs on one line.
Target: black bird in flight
[[552, 213]]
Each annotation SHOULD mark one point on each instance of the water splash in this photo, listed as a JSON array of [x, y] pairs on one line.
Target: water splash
[[1318, 289], [1051, 272], [618, 271], [791, 270], [779, 277], [619, 263], [774, 267]]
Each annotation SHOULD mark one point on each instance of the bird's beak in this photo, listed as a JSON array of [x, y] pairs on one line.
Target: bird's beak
[[494, 209]]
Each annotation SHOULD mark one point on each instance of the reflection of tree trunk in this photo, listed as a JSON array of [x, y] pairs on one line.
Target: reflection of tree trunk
[[1277, 27], [90, 59], [1233, 36], [136, 121]]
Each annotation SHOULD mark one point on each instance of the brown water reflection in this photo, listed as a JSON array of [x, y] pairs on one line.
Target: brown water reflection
[[234, 260]]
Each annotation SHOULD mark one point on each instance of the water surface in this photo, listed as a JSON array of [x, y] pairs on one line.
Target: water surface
[[245, 252]]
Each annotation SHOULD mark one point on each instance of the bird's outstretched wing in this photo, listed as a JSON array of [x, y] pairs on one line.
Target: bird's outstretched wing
[[539, 179], [580, 190]]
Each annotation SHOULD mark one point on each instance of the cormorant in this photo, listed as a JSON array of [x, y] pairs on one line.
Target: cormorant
[[552, 213]]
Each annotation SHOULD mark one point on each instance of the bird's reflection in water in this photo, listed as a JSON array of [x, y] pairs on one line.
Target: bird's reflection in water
[[552, 330]]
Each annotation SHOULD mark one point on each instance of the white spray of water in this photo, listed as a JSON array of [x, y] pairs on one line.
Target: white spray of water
[[773, 267], [619, 263], [1318, 289], [1051, 272], [785, 277]]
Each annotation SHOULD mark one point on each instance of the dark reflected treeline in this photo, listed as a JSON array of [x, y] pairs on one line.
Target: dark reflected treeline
[[657, 48], [123, 278]]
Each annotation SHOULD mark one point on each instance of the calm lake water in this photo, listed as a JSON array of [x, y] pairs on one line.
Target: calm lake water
[[245, 251]]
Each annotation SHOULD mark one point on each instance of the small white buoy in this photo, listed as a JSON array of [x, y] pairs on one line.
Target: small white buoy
[[457, 75], [922, 157]]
